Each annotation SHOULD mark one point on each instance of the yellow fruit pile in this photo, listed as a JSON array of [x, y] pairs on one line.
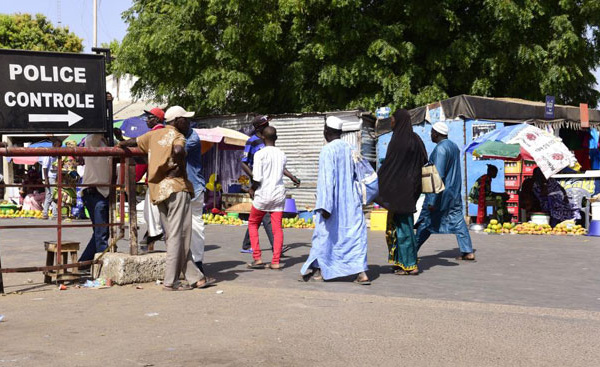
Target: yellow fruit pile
[[532, 228], [244, 180], [495, 227], [11, 213], [221, 219], [297, 223], [569, 228], [118, 217], [562, 229]]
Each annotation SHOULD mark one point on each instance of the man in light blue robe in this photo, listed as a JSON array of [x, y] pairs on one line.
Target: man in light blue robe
[[443, 212], [339, 242]]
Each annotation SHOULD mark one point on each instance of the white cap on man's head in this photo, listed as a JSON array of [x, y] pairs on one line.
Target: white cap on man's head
[[175, 112], [334, 122], [441, 127]]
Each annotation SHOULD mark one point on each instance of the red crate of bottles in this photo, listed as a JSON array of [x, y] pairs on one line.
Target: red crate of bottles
[[528, 167], [512, 182]]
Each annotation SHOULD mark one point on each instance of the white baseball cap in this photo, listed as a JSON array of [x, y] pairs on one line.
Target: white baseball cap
[[441, 127], [175, 112], [334, 122]]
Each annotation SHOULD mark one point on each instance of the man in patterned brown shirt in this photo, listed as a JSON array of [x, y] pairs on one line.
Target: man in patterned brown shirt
[[171, 191]]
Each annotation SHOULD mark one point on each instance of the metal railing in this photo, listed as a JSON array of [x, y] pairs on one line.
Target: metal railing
[[126, 182]]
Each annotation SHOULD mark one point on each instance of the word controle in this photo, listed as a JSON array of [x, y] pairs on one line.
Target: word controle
[[43, 74]]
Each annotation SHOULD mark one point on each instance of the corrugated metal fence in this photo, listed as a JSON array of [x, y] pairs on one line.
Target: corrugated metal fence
[[301, 139]]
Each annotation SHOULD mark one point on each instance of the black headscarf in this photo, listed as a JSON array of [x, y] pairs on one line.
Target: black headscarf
[[400, 173]]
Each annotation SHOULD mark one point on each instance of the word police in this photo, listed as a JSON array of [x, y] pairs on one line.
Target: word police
[[55, 74]]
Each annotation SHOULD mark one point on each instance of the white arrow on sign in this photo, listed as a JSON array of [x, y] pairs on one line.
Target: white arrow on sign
[[71, 117]]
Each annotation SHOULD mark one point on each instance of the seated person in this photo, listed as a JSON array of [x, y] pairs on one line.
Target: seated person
[[527, 200], [483, 189], [553, 199], [32, 199]]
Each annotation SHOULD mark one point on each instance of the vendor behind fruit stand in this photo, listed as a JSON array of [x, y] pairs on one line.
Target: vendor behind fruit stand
[[481, 192], [553, 198]]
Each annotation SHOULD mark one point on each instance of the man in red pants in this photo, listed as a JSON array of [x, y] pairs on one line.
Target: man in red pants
[[268, 192]]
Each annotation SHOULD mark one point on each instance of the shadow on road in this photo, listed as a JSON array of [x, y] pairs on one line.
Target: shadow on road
[[211, 248], [291, 261], [428, 262], [220, 270]]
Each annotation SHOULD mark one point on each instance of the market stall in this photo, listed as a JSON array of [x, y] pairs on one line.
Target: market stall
[[470, 117]]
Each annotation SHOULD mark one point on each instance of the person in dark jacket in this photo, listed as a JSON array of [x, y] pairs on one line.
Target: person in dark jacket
[[399, 190]]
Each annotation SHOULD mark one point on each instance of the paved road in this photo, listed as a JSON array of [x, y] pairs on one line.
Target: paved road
[[542, 271], [527, 301]]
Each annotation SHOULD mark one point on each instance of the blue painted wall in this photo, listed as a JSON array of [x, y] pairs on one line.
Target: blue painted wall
[[460, 133], [456, 134]]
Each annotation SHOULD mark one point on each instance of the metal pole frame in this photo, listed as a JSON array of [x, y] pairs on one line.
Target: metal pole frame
[[126, 160]]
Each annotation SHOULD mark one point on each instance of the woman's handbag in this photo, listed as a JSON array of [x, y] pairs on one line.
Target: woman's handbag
[[430, 179], [366, 178]]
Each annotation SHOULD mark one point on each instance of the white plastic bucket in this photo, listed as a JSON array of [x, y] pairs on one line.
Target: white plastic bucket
[[596, 210], [540, 218]]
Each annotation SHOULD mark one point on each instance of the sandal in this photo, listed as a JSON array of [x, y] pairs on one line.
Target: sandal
[[255, 265], [317, 276], [466, 257], [364, 281], [304, 278], [404, 272], [208, 281], [274, 266]]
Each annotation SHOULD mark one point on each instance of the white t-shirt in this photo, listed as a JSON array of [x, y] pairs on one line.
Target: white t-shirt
[[269, 163], [98, 170], [49, 163]]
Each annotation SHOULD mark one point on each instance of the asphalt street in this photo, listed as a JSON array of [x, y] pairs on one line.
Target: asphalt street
[[526, 301]]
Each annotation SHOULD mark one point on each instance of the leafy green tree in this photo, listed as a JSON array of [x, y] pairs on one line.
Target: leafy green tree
[[231, 56], [36, 33], [114, 46]]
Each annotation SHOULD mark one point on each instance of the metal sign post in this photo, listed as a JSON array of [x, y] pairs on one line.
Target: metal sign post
[[49, 93], [46, 92]]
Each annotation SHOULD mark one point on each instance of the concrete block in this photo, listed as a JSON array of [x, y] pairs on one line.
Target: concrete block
[[127, 269]]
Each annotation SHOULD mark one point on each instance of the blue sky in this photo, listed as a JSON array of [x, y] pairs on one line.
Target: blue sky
[[78, 16]]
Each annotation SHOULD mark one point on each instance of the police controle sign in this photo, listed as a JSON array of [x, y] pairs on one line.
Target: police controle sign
[[48, 92]]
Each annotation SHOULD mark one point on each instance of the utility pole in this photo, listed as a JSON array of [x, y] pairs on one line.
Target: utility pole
[[95, 23], [58, 15]]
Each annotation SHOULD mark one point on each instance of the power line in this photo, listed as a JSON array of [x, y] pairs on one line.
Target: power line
[[105, 29]]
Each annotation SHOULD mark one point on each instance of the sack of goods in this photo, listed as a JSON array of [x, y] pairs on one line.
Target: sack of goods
[[366, 178], [430, 180]]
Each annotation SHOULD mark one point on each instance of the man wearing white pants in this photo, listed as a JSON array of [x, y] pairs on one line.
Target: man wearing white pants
[[193, 149], [152, 218], [197, 245]]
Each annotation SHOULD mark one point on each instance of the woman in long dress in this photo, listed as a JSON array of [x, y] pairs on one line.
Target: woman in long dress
[[399, 190]]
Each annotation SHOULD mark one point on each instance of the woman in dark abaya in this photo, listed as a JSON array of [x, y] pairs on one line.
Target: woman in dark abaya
[[399, 190]]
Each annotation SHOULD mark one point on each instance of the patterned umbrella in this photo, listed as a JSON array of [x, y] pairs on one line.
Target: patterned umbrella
[[526, 142]]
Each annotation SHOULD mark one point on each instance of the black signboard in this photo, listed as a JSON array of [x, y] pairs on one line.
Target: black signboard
[[47, 92]]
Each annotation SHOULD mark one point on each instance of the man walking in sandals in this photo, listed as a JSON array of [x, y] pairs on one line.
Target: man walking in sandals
[[339, 242], [268, 192]]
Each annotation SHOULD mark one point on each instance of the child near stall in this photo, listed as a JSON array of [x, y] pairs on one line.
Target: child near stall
[[32, 198], [70, 178]]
